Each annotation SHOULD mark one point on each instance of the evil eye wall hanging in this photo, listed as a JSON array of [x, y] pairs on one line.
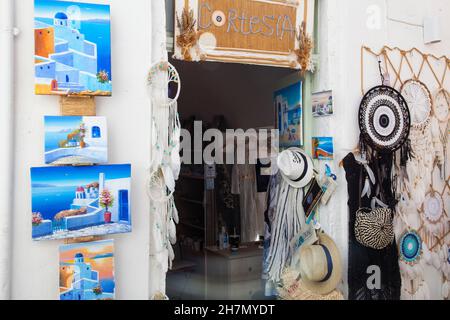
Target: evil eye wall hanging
[[410, 247]]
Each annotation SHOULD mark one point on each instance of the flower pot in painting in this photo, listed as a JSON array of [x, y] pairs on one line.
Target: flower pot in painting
[[107, 216]]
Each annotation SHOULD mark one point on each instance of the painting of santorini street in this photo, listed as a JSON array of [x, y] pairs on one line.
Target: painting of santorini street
[[72, 43], [86, 271], [75, 140], [80, 201], [289, 110]]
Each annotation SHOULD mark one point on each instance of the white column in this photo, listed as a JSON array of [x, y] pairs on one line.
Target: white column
[[6, 132]]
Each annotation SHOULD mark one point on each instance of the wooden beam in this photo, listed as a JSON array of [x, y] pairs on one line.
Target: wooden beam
[[77, 106]]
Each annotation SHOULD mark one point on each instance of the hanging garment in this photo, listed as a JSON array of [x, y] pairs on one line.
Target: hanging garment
[[269, 217], [362, 261], [227, 203], [244, 184], [289, 219]]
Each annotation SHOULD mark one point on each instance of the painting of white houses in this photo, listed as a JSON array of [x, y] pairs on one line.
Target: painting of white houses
[[80, 201], [75, 140], [86, 271], [72, 48]]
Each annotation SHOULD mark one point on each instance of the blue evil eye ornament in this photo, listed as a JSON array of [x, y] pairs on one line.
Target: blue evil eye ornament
[[410, 247]]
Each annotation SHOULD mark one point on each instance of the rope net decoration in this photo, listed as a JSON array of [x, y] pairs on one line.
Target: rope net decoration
[[422, 80]]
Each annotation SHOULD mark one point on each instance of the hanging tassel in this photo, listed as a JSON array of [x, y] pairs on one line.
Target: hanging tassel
[[172, 232], [406, 153], [175, 216]]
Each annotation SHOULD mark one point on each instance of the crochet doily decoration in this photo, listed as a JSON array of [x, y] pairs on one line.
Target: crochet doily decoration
[[419, 101], [384, 119], [433, 207]]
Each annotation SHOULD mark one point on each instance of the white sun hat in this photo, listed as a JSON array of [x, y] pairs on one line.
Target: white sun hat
[[296, 167]]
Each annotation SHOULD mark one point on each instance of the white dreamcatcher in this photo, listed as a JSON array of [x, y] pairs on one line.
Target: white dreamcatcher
[[434, 215], [166, 161], [408, 223], [419, 101], [441, 111]]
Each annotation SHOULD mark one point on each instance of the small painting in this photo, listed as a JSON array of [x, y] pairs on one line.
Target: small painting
[[72, 42], [322, 148], [75, 140], [86, 271], [80, 201], [289, 108], [322, 104]]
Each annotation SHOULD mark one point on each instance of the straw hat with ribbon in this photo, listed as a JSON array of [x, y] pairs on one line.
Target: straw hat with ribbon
[[320, 266]]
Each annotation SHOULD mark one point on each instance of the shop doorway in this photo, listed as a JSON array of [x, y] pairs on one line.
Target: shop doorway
[[222, 96]]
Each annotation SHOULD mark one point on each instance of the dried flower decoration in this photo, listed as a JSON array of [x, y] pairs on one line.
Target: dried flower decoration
[[304, 51], [188, 35]]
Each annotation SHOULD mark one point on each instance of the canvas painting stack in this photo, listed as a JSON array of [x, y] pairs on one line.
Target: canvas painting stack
[[78, 198]]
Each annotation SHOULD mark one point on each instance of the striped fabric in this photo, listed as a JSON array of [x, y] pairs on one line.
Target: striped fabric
[[289, 220]]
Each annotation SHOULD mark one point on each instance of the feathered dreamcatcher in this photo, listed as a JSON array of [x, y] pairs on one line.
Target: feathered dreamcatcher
[[166, 161], [441, 111], [422, 222], [419, 101]]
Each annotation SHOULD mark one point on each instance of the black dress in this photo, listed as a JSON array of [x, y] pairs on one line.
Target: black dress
[[361, 258]]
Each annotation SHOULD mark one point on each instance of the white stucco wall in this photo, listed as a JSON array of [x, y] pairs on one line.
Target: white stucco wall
[[343, 28], [35, 265]]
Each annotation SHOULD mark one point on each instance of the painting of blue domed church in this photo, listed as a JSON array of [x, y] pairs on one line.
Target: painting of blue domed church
[[86, 271], [72, 48], [75, 140], [80, 201]]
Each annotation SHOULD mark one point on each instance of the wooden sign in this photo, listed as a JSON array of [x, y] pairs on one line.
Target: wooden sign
[[264, 32]]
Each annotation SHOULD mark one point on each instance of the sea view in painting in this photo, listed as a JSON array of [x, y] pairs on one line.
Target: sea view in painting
[[75, 140], [72, 48], [71, 201], [323, 148]]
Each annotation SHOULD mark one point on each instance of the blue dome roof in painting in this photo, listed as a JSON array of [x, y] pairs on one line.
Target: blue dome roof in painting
[[79, 255], [61, 15]]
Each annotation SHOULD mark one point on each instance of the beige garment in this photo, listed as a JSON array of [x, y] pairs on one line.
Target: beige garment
[[252, 214]]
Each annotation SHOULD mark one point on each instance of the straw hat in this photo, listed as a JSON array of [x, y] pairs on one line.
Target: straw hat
[[320, 266], [294, 289], [296, 167]]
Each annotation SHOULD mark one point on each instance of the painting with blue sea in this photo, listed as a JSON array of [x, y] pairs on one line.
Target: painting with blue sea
[[78, 201], [75, 140], [72, 48], [322, 148]]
